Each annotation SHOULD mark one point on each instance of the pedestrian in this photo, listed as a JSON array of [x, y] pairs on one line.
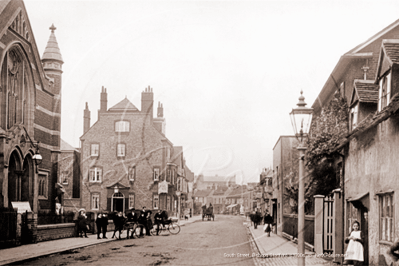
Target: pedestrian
[[148, 224], [158, 220], [142, 220], [354, 252], [268, 221], [119, 221], [99, 222], [131, 220], [82, 223], [104, 225]]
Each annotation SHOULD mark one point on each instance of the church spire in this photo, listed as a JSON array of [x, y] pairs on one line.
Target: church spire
[[52, 53]]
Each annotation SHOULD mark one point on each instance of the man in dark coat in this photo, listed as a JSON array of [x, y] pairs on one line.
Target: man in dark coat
[[119, 221], [99, 222], [104, 225], [142, 220]]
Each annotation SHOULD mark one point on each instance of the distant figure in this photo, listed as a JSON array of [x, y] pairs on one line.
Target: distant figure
[[268, 221], [82, 223], [104, 225], [119, 221], [255, 219], [99, 221]]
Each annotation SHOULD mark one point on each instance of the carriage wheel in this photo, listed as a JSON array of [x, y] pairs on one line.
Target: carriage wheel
[[153, 231], [174, 228]]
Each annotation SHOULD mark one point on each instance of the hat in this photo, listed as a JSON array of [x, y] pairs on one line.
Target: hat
[[132, 209]]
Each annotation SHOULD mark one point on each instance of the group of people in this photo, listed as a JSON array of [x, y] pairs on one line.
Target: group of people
[[256, 218], [132, 221]]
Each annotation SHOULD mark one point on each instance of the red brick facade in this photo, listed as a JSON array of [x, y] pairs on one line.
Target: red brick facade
[[116, 180]]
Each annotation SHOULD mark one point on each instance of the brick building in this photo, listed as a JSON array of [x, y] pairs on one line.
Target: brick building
[[126, 159], [30, 112], [69, 177], [285, 165]]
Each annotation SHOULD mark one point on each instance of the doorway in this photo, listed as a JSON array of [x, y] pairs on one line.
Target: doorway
[[118, 202]]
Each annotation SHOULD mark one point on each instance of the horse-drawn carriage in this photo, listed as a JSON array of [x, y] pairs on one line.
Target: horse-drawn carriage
[[207, 212]]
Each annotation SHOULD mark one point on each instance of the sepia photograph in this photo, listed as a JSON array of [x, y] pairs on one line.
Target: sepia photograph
[[199, 132]]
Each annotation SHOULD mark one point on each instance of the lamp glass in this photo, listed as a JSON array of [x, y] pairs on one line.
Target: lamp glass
[[301, 118], [37, 158]]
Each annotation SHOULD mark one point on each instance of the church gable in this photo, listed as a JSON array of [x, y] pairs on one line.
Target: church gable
[[15, 29]]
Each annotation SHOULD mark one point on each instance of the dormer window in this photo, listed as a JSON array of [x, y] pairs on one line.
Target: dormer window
[[354, 115], [122, 126], [384, 92]]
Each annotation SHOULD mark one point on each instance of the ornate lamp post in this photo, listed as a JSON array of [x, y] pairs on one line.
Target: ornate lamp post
[[301, 118]]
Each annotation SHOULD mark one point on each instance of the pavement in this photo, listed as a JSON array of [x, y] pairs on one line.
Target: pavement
[[32, 251], [273, 250], [276, 250]]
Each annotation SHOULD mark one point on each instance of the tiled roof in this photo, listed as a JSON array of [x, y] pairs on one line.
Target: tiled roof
[[366, 91], [65, 146], [372, 120], [202, 193], [123, 106], [391, 48]]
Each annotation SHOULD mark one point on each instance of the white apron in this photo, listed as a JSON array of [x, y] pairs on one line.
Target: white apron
[[355, 248]]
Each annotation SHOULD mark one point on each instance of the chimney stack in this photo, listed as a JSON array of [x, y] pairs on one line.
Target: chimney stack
[[103, 103], [86, 119], [147, 102]]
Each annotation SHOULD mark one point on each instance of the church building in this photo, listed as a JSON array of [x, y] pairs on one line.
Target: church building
[[30, 113]]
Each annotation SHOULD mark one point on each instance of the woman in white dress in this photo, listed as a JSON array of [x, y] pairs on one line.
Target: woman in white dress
[[354, 252]]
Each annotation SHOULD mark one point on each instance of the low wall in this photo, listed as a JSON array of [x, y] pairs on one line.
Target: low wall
[[55, 231], [290, 227]]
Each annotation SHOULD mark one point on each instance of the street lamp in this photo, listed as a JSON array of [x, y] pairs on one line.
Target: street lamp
[[301, 118]]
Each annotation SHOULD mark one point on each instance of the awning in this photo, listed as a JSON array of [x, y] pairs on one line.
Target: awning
[[232, 205], [361, 200]]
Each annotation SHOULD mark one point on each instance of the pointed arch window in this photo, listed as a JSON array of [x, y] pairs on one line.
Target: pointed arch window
[[14, 83]]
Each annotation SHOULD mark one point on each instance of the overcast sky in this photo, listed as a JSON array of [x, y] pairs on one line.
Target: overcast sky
[[228, 73]]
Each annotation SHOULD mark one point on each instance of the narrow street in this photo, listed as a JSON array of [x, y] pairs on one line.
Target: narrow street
[[221, 242]]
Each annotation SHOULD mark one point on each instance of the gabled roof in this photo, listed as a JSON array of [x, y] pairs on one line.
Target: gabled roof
[[365, 91], [64, 147], [362, 51], [124, 106], [389, 55], [374, 37]]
